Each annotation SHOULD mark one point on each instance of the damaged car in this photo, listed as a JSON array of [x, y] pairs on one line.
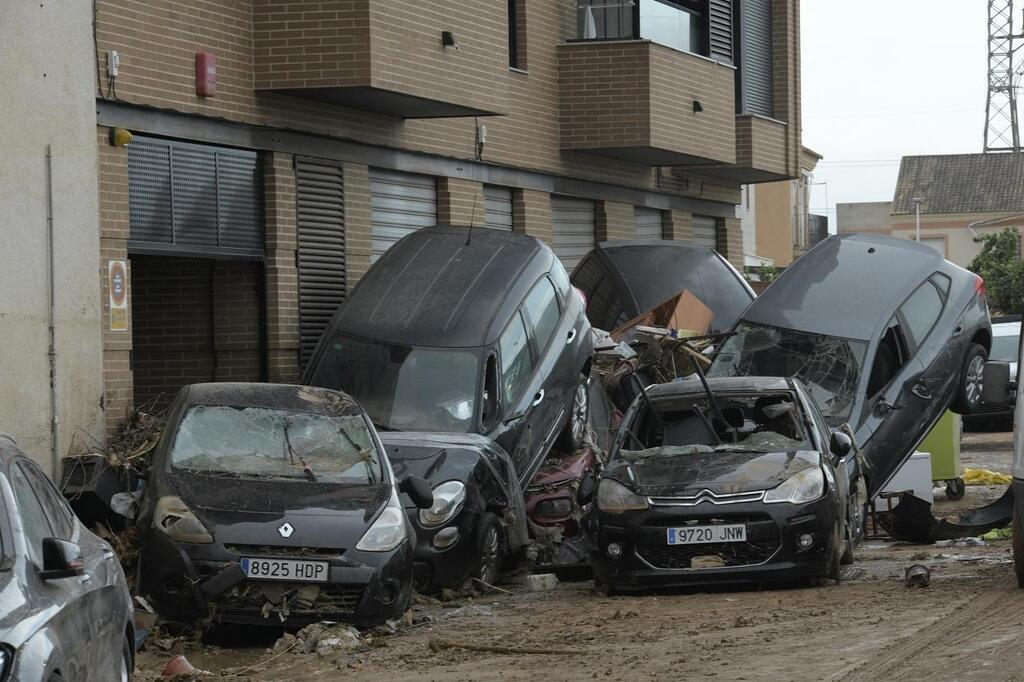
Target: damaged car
[[623, 279], [743, 481], [477, 516], [273, 504], [885, 334], [66, 610]]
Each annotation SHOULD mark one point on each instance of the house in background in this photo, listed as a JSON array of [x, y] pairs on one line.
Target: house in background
[[961, 197], [777, 224]]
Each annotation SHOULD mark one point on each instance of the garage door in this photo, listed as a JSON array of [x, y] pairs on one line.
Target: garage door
[[573, 229], [402, 203], [193, 199], [705, 231], [498, 201], [320, 207], [648, 223]]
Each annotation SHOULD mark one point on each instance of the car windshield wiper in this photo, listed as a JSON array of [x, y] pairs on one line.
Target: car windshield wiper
[[307, 472]]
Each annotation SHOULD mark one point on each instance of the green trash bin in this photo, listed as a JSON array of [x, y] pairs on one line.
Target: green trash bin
[[943, 442]]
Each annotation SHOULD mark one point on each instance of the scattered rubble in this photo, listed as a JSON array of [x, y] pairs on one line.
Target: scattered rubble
[[918, 576], [542, 582]]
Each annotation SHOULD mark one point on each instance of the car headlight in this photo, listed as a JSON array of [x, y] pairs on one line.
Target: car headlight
[[388, 531], [448, 500], [806, 486], [174, 518], [615, 498]]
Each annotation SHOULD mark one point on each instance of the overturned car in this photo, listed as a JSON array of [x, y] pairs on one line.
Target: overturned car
[[270, 504], [743, 482]]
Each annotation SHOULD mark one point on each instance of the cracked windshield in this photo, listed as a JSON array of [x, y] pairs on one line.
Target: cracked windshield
[[830, 366], [265, 443]]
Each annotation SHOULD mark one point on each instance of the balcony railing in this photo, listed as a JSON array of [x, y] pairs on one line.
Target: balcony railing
[[671, 24]]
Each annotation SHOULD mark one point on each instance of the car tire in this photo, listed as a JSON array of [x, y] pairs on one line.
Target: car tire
[[573, 436], [968, 392], [127, 661], [488, 555]]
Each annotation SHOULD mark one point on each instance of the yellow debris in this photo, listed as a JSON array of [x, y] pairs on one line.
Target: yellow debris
[[986, 477]]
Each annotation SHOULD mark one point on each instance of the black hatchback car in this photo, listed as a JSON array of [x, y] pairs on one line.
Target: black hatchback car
[[271, 504], [750, 485], [465, 331], [885, 333], [65, 610], [623, 279]]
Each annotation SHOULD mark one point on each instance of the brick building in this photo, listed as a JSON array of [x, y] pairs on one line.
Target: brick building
[[280, 146]]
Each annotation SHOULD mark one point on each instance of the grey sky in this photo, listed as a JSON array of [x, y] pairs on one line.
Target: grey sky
[[887, 78]]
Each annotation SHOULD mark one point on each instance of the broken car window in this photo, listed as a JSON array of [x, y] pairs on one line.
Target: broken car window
[[269, 443], [404, 388], [829, 365]]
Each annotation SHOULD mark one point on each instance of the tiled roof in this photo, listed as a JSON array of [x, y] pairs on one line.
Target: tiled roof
[[961, 183]]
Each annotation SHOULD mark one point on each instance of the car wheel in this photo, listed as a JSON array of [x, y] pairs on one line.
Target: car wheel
[[487, 565], [574, 434], [955, 489], [127, 662], [972, 372]]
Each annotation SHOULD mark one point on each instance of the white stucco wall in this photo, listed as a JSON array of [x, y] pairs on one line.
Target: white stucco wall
[[47, 68]]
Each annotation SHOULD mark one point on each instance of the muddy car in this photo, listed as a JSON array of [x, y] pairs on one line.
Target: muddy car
[[465, 331], [623, 279], [477, 514], [747, 483], [271, 504], [885, 333], [65, 610]]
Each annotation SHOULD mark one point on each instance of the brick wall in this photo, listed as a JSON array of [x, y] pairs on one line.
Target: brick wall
[[786, 74], [358, 221], [761, 144], [531, 213], [282, 276], [614, 220], [730, 241], [678, 226], [460, 202]]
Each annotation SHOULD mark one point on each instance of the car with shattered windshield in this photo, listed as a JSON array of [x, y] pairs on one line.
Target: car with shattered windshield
[[885, 334], [65, 609], [742, 482], [273, 504], [623, 279]]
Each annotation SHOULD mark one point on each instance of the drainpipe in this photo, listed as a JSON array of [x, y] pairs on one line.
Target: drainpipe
[[54, 456]]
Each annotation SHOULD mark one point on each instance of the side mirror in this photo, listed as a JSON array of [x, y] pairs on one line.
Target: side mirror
[[586, 490], [418, 491], [840, 444], [995, 387], [61, 559]]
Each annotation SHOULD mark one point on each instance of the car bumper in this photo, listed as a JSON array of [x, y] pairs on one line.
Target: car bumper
[[770, 553], [192, 582], [448, 566]]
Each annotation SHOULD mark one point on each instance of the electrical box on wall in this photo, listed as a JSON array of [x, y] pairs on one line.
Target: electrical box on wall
[[206, 74]]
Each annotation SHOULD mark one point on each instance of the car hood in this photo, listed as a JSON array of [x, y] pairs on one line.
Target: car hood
[[252, 512], [719, 472]]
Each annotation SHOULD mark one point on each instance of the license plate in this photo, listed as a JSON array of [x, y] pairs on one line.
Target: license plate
[[285, 569], [697, 535]]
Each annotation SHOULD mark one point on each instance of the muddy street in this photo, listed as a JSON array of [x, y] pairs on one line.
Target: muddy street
[[965, 626]]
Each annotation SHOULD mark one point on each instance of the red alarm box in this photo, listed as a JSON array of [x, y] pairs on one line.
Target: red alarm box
[[206, 74]]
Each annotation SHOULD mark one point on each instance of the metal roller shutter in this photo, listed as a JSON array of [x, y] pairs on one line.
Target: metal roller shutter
[[320, 209], [402, 203], [755, 58], [648, 223], [498, 202], [194, 199], [705, 231], [573, 229], [720, 24]]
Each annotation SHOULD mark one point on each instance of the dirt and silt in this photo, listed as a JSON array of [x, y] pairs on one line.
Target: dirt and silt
[[967, 625]]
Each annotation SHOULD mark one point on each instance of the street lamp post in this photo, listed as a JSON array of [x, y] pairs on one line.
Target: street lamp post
[[917, 212]]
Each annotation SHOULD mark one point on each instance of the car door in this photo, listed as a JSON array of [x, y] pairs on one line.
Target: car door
[[520, 394], [69, 624], [548, 332]]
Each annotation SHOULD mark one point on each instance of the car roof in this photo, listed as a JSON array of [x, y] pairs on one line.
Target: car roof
[[654, 270], [692, 384], [845, 285], [447, 287], [272, 396]]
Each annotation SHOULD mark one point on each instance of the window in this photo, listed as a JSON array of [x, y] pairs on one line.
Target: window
[[489, 414], [516, 364], [891, 355], [541, 308], [515, 60], [57, 510], [33, 518], [561, 279], [921, 311], [679, 24]]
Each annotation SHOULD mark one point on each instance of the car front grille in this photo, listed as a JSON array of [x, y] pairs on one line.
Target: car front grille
[[731, 553], [290, 600], [279, 551]]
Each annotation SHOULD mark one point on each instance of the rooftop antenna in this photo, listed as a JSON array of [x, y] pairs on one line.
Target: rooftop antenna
[[472, 220]]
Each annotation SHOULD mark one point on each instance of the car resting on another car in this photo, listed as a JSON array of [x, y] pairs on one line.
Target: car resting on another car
[[745, 482], [271, 504]]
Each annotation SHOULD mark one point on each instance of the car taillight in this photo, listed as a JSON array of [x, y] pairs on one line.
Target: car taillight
[[583, 296], [979, 285]]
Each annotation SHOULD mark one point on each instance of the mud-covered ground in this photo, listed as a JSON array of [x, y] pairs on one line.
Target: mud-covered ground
[[968, 625]]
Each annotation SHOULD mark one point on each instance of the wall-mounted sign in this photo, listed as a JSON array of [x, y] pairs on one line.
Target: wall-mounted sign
[[117, 287]]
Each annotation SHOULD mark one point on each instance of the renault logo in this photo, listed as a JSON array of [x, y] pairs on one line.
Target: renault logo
[[286, 530]]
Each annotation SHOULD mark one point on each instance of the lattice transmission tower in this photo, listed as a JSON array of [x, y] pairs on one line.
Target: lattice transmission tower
[[1002, 133]]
